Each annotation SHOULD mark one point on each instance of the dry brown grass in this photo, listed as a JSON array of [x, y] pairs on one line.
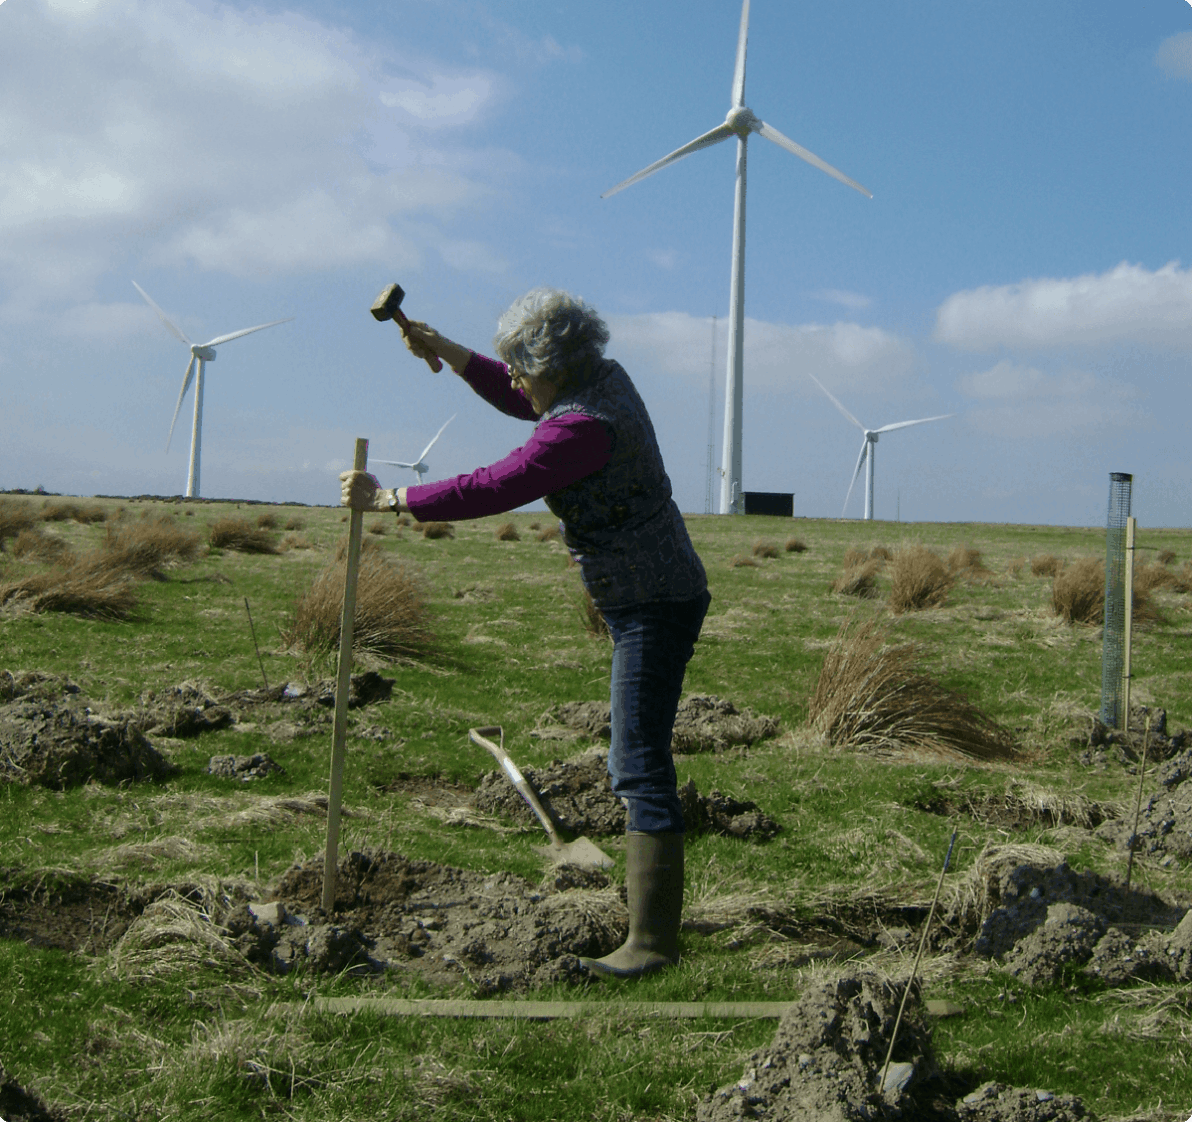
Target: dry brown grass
[[39, 546], [1166, 556], [96, 593], [295, 524], [145, 546], [404, 520], [1078, 591], [854, 557], [378, 528], [871, 696], [918, 580], [295, 541], [15, 516], [507, 532], [267, 521], [859, 579], [1046, 565], [765, 549], [241, 535], [68, 512], [550, 534], [367, 545], [796, 545], [880, 553], [392, 616], [1015, 565], [744, 561], [433, 530], [966, 562], [591, 616]]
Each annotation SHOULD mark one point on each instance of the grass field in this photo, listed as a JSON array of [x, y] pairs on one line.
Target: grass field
[[510, 640]]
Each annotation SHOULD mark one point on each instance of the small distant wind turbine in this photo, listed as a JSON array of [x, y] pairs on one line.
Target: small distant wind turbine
[[200, 354], [739, 122], [868, 447], [420, 467]]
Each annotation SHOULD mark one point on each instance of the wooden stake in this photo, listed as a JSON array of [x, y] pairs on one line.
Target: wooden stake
[[1131, 525], [343, 685]]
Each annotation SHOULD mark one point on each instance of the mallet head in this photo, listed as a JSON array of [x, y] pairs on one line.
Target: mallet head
[[388, 304]]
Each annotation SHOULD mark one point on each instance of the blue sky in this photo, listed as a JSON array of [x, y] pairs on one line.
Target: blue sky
[[1025, 262]]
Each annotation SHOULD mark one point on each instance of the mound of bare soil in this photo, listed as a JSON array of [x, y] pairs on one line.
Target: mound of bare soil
[[50, 736], [1102, 745], [1041, 918], [243, 768], [577, 794], [498, 931], [826, 1059], [1165, 821], [185, 710], [702, 723], [19, 1105]]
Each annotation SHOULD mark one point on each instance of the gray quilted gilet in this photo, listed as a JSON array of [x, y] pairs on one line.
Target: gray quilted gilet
[[620, 523]]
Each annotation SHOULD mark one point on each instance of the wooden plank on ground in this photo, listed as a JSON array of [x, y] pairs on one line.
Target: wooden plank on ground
[[549, 1010]]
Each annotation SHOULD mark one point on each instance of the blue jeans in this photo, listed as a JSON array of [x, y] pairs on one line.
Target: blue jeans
[[652, 644]]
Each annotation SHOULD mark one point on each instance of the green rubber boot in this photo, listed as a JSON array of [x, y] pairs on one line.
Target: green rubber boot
[[654, 887]]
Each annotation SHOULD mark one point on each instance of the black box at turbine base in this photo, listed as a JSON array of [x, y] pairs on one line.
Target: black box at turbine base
[[770, 502]]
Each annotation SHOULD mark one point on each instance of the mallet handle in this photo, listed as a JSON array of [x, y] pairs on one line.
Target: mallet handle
[[343, 686]]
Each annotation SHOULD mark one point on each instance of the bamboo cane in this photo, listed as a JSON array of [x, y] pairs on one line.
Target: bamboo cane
[[1127, 633], [1146, 740], [343, 685]]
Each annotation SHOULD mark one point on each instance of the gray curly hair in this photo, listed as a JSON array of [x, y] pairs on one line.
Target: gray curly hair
[[550, 334]]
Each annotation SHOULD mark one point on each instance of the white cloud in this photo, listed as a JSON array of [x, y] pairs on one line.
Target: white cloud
[[190, 132], [1125, 304], [472, 257], [776, 354], [853, 300], [1174, 56], [1023, 402]]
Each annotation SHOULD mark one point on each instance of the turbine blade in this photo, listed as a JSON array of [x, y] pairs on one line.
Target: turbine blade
[[392, 463], [436, 437], [856, 475], [715, 136], [190, 369], [771, 133], [171, 327], [739, 69], [835, 402], [920, 421], [247, 331]]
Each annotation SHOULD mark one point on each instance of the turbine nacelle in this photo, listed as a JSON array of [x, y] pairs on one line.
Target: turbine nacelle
[[207, 354], [871, 436], [741, 119]]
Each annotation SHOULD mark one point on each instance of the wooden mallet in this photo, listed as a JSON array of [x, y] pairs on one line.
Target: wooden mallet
[[388, 306]]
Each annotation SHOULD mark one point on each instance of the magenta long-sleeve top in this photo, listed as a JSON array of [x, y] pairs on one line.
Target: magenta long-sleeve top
[[561, 451]]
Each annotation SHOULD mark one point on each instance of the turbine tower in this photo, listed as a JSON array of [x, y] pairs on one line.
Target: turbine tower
[[739, 122], [868, 447], [420, 467], [200, 354]]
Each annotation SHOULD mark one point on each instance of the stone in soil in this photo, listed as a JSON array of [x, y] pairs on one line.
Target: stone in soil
[[497, 932], [702, 723], [577, 794], [1043, 918], [243, 768], [51, 736], [1165, 821], [827, 1056], [17, 1104]]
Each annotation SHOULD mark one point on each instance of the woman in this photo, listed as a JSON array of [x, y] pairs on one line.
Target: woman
[[594, 458]]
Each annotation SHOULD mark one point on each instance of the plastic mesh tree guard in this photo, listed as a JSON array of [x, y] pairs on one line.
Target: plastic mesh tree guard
[[1113, 648]]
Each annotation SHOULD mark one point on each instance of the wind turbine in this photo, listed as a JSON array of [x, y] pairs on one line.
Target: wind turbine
[[739, 122], [420, 466], [200, 354], [868, 447]]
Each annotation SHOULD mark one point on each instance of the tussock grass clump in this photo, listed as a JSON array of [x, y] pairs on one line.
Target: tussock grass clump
[[435, 530], [67, 512], [173, 935], [871, 696], [918, 580], [854, 557], [78, 589], [880, 553], [40, 546], [859, 579], [14, 517], [965, 561], [1015, 565], [796, 545], [143, 547], [367, 545], [507, 532], [743, 561], [765, 549], [378, 528], [392, 615], [1046, 565], [295, 524], [295, 541], [550, 534], [241, 535], [1166, 556], [535, 526], [1078, 591], [267, 521]]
